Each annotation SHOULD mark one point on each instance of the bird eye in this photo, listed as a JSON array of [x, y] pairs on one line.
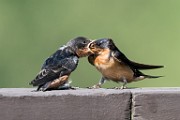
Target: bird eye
[[84, 42]]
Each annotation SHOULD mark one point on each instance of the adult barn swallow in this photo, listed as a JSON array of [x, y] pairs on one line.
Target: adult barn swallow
[[114, 65], [57, 68]]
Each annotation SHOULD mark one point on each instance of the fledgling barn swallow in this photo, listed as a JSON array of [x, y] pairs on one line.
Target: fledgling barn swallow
[[114, 65], [57, 68]]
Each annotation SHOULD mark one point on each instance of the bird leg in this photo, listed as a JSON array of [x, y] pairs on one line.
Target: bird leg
[[66, 86], [101, 81], [124, 84]]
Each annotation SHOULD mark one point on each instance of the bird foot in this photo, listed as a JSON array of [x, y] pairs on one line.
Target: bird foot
[[34, 91], [43, 90], [73, 88], [120, 88], [67, 87], [95, 87]]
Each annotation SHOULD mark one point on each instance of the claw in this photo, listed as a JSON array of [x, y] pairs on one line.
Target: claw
[[95, 87], [120, 88], [73, 88], [67, 87]]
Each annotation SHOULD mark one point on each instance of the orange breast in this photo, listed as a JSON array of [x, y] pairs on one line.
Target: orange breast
[[58, 82], [113, 69]]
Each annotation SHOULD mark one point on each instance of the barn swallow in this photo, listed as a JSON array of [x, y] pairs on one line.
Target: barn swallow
[[114, 65], [57, 68]]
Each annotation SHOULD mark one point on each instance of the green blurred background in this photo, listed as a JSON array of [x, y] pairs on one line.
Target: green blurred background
[[146, 31]]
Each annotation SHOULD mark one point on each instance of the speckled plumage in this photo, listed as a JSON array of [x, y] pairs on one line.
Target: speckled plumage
[[57, 68]]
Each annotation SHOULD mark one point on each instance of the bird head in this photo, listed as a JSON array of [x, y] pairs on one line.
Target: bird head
[[99, 45], [80, 46]]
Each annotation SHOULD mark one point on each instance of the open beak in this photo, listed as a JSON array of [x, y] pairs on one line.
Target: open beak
[[89, 46]]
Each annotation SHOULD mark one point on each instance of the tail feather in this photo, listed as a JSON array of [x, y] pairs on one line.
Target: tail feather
[[39, 80], [150, 76], [144, 66], [141, 75]]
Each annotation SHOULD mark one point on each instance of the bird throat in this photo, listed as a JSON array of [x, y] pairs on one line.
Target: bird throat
[[103, 60]]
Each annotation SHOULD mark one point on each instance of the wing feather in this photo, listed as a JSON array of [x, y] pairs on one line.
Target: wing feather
[[91, 59], [121, 57], [62, 62]]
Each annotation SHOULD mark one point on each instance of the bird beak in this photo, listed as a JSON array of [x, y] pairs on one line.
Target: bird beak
[[88, 46]]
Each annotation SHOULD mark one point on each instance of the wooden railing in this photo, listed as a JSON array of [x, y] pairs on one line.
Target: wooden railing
[[90, 104]]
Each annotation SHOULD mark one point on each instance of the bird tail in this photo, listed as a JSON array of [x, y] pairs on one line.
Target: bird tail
[[150, 76], [144, 66], [43, 78], [35, 82], [141, 76]]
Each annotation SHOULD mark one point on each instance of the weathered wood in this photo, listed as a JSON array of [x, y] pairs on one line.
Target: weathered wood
[[86, 104], [156, 104], [90, 104]]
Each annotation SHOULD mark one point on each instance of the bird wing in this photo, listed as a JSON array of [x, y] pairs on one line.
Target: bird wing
[[118, 55], [62, 62], [91, 59]]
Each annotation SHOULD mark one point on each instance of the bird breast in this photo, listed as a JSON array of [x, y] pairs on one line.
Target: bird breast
[[113, 69]]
